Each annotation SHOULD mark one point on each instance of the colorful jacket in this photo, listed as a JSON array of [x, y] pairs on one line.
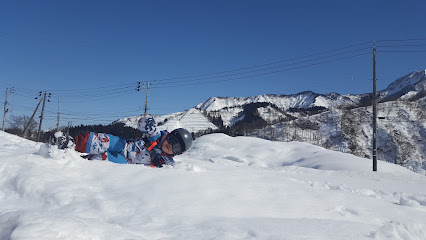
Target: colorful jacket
[[102, 146]]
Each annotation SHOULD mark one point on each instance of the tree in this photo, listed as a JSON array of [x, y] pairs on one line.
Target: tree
[[18, 123]]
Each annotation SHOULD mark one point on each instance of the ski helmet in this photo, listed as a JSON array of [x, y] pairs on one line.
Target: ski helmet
[[180, 139]]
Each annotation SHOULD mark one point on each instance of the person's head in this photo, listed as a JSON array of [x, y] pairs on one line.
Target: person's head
[[177, 142]]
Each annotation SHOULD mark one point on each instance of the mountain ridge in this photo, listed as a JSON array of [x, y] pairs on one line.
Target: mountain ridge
[[414, 81], [334, 121]]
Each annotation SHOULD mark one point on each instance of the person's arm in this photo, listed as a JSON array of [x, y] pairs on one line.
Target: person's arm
[[98, 143], [148, 127]]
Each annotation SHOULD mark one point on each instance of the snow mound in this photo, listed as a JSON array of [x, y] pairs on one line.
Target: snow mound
[[223, 188], [268, 154]]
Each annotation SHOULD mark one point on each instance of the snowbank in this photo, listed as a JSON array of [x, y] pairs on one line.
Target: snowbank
[[223, 188], [268, 154]]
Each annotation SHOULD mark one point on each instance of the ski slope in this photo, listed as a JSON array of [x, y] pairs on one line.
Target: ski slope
[[192, 120], [223, 188]]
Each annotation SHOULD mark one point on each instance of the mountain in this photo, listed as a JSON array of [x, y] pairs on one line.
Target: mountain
[[405, 88], [303, 100], [192, 119], [409, 87], [335, 121]]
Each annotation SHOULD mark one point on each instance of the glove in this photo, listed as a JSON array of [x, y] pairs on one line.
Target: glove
[[147, 126], [156, 161]]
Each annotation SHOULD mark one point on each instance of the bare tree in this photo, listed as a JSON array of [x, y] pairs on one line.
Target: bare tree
[[18, 123]]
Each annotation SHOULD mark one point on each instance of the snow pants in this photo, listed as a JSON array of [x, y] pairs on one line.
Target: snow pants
[[102, 146]]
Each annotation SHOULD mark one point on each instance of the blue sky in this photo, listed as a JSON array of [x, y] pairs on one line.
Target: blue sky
[[91, 54]]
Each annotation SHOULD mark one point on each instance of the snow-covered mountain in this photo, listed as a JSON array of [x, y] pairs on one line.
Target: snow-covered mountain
[[192, 119], [302, 100], [230, 108], [401, 132], [223, 188], [405, 88], [408, 87], [334, 121]]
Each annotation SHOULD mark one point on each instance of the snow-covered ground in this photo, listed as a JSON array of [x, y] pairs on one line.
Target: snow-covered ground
[[223, 188]]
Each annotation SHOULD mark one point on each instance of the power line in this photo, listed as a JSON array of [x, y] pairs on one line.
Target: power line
[[402, 45], [100, 88], [118, 90], [403, 51], [262, 65], [401, 40], [270, 68], [263, 74], [113, 88]]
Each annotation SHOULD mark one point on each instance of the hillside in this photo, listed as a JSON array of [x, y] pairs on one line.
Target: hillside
[[192, 119], [401, 125], [401, 132], [334, 121], [223, 188]]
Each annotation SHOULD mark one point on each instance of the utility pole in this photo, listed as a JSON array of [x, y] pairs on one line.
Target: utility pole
[[146, 88], [57, 124], [374, 112], [146, 98], [5, 109], [41, 117], [31, 119]]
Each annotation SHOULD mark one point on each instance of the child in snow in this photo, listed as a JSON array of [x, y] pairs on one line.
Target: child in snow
[[155, 149]]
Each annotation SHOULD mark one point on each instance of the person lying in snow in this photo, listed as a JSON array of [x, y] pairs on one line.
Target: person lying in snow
[[155, 149]]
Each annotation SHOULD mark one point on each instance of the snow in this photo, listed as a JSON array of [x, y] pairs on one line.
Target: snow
[[408, 81], [223, 188], [321, 102], [231, 115], [301, 100], [270, 113], [192, 119]]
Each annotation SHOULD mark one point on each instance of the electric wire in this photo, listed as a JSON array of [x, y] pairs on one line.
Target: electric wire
[[262, 65], [262, 74], [402, 51], [269, 68], [89, 95]]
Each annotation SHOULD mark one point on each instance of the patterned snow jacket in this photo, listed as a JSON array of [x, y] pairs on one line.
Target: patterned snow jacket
[[102, 146]]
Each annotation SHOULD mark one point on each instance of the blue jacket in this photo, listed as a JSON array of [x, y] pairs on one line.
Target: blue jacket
[[102, 146]]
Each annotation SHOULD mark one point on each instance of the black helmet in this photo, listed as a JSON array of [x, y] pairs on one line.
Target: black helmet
[[180, 139]]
